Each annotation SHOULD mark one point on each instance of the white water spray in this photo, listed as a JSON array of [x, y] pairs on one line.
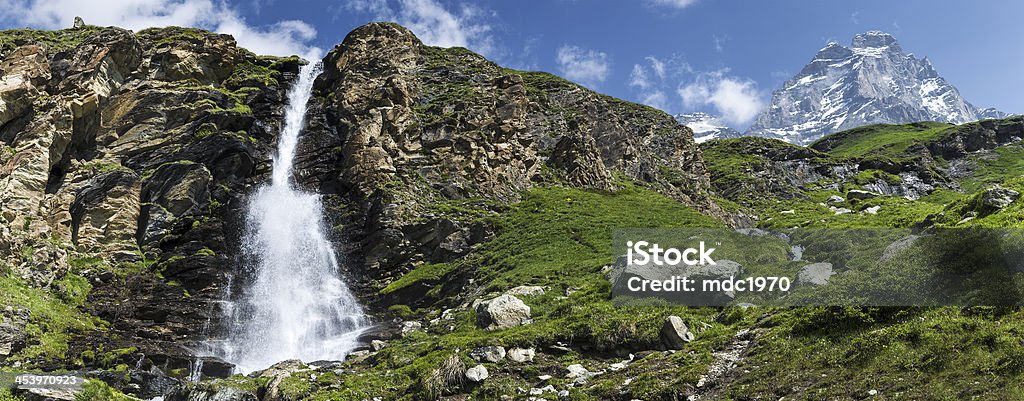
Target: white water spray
[[296, 306]]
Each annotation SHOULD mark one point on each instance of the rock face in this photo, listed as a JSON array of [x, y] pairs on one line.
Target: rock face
[[131, 153], [502, 312], [399, 125], [998, 197], [873, 81]]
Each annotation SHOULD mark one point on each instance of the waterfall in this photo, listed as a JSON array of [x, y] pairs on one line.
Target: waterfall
[[294, 304]]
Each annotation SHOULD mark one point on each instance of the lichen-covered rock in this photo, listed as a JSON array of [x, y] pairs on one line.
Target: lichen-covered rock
[[675, 334], [998, 197], [477, 373], [502, 312]]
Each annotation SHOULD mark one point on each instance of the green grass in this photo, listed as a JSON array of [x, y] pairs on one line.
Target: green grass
[[1006, 162], [430, 272], [54, 41], [559, 238], [841, 353], [879, 141], [53, 315], [96, 390]]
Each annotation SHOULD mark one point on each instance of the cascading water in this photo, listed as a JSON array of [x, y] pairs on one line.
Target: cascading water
[[296, 305]]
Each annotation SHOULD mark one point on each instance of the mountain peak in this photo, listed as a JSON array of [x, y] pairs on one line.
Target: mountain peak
[[871, 82], [874, 39]]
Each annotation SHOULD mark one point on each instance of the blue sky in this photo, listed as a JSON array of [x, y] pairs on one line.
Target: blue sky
[[723, 57]]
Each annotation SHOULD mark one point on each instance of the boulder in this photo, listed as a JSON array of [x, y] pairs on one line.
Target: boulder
[[12, 338], [477, 373], [502, 312], [521, 354], [815, 274], [998, 197], [674, 333], [488, 354], [856, 194], [835, 199]]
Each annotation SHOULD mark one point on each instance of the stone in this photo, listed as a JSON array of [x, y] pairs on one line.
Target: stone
[[12, 338], [835, 199], [815, 274], [410, 326], [502, 312], [377, 345], [674, 333], [857, 194], [488, 354], [840, 210], [544, 377], [872, 210], [526, 291], [521, 355], [477, 373], [998, 197], [79, 23], [576, 370]]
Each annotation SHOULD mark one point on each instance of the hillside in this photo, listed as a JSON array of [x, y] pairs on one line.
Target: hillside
[[449, 183]]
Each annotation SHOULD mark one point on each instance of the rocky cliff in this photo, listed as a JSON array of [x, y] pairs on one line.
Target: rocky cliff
[[399, 127], [127, 158]]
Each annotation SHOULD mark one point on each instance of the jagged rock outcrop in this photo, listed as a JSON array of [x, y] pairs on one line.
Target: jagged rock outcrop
[[398, 126]]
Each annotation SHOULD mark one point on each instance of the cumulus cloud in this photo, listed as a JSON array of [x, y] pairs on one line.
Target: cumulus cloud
[[465, 26], [650, 78], [679, 4], [282, 38], [583, 65], [638, 77], [738, 100]]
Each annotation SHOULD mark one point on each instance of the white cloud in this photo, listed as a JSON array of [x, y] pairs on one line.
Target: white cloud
[[283, 38], [680, 4], [737, 99], [650, 80], [855, 18], [720, 42], [658, 66], [656, 99], [582, 65], [638, 77], [434, 24]]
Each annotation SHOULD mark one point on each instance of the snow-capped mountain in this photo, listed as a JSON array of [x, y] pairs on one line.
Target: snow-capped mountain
[[706, 127], [872, 81]]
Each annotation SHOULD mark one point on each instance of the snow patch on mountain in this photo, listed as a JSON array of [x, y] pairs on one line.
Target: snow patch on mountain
[[706, 127]]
